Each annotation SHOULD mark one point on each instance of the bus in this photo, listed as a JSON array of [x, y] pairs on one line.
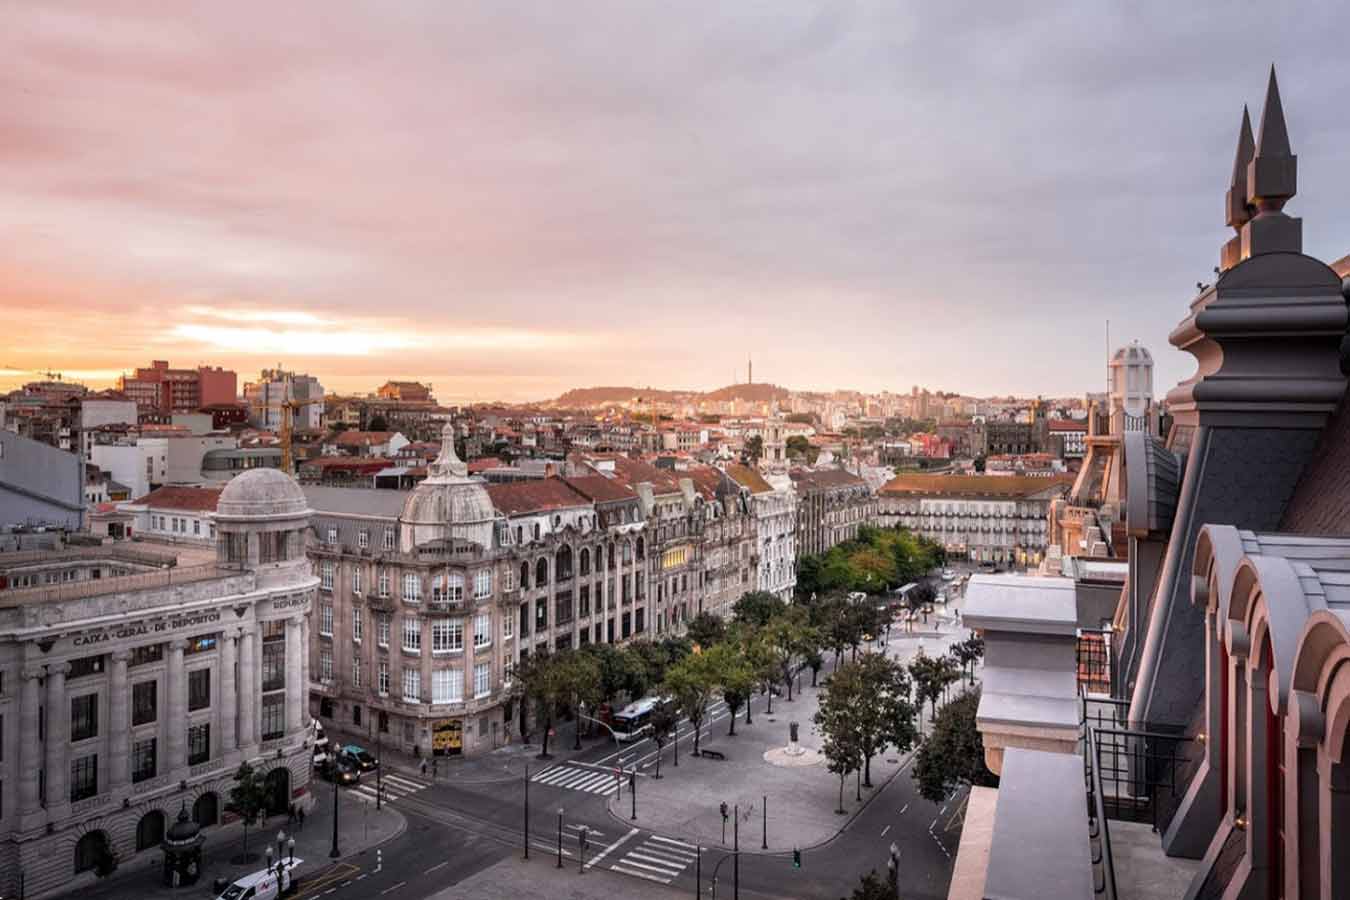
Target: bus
[[633, 722]]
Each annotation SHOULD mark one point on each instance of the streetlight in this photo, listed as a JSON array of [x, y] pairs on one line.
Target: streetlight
[[581, 850], [632, 789], [560, 818], [334, 853], [281, 842], [290, 845], [527, 811], [893, 870]]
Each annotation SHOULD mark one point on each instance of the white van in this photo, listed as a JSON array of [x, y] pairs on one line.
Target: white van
[[264, 885]]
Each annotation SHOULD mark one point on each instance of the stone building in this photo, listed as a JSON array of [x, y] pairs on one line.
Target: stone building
[[984, 518], [831, 504], [775, 512], [728, 550], [429, 598], [153, 675]]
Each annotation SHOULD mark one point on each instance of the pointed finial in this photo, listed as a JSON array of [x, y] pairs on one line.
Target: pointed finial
[[448, 466], [1274, 139], [1238, 213]]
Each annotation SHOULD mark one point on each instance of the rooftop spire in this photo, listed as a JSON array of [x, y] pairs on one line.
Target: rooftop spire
[[1237, 212], [1272, 178], [448, 466], [1274, 140]]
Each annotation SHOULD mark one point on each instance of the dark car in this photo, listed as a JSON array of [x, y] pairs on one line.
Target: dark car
[[341, 770], [362, 758]]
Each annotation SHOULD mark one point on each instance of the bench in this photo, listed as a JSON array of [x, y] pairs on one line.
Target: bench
[[712, 754]]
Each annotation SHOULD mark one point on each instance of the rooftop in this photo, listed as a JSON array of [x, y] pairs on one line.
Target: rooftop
[[537, 495], [184, 499], [1007, 486]]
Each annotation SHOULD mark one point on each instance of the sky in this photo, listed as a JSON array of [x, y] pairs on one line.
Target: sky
[[511, 199]]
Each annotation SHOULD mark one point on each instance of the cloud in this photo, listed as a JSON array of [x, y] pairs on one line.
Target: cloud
[[857, 194]]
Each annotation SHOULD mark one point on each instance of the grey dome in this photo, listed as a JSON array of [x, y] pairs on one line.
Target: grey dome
[[447, 504], [1132, 353], [261, 494]]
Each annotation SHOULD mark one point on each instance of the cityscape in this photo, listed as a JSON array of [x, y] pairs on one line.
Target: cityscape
[[507, 503]]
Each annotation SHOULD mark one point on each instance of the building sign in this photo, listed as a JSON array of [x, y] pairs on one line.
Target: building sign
[[140, 629], [447, 737], [291, 602]]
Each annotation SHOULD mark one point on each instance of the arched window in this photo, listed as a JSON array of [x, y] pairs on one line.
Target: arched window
[[149, 830], [585, 561], [536, 531], [563, 563], [524, 576], [640, 549], [520, 535], [611, 557], [541, 572], [557, 521], [627, 553]]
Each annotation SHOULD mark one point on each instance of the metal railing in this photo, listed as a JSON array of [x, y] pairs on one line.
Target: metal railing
[[75, 590], [1093, 653], [1099, 825], [1138, 766]]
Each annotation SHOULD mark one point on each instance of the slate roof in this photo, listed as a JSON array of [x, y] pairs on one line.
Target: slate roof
[[354, 501], [825, 479], [749, 478], [1321, 501]]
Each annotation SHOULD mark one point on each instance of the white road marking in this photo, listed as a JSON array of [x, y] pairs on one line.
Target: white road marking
[[626, 871], [594, 862], [394, 888], [666, 840], [884, 830], [435, 867]]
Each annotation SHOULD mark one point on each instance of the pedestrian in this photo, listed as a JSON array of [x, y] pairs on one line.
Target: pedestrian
[[300, 814], [424, 768], [435, 766]]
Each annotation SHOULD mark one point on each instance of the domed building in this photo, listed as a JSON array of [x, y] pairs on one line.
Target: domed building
[[448, 505], [177, 661]]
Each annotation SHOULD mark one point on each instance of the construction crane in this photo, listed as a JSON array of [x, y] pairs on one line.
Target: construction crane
[[46, 373], [288, 409]]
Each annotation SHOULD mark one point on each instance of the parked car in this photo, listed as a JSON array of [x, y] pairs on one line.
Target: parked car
[[264, 885], [363, 758]]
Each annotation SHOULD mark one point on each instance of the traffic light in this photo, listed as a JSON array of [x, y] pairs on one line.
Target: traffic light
[[796, 858], [724, 810]]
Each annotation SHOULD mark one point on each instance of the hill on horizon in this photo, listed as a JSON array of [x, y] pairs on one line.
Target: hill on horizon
[[599, 396]]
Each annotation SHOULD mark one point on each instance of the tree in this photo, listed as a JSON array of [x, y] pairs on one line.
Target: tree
[[706, 629], [883, 707], [754, 449], [578, 678], [765, 660], [663, 722], [872, 887], [954, 753], [757, 608], [793, 637], [248, 797], [735, 677], [691, 683], [543, 679], [931, 676], [834, 717]]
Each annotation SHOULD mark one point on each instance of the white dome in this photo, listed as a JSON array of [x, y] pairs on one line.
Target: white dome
[[261, 494], [447, 504], [1132, 354]]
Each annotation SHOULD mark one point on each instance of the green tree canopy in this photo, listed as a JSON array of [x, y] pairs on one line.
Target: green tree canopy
[[706, 629], [757, 608], [691, 682], [248, 797], [954, 753]]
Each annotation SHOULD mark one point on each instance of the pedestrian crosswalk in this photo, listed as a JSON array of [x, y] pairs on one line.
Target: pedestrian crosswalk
[[659, 859], [395, 786], [578, 778]]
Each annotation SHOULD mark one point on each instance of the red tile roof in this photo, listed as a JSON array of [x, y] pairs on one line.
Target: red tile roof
[[749, 478], [538, 495], [825, 478], [1068, 425], [974, 485], [601, 489], [363, 438], [186, 499]]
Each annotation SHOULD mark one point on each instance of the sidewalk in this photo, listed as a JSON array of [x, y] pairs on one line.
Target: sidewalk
[[360, 828], [505, 763]]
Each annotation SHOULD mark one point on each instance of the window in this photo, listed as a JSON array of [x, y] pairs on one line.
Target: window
[[148, 654], [482, 680], [83, 717], [482, 629], [509, 580], [358, 624], [382, 582], [447, 635], [356, 579], [447, 686], [83, 777], [448, 588], [412, 685], [326, 619], [363, 538], [273, 716], [202, 643], [325, 665], [199, 743], [383, 676], [144, 695], [330, 536], [389, 539], [196, 526], [273, 665], [199, 689], [412, 587], [412, 634], [356, 671], [326, 574], [508, 626], [87, 665], [143, 760], [382, 630], [482, 584]]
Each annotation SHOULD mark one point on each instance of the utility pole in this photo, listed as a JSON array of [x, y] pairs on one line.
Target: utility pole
[[736, 853]]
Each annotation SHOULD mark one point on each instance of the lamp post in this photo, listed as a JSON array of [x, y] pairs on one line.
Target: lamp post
[[269, 858], [736, 852], [632, 789], [379, 768], [527, 811], [581, 850], [290, 845], [281, 843], [893, 871], [560, 818], [334, 853]]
